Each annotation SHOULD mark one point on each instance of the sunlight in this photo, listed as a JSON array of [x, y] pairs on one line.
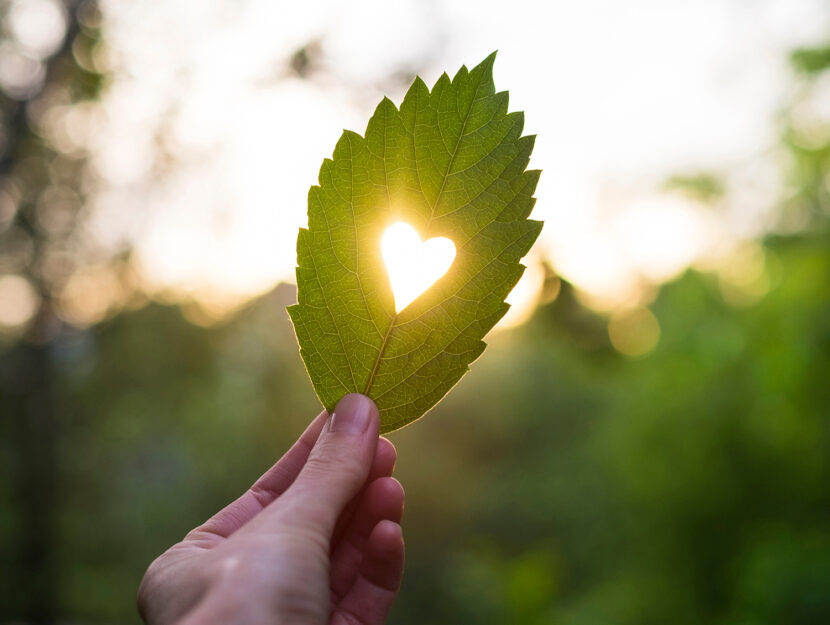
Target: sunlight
[[634, 333], [413, 265], [524, 297], [18, 301], [227, 242]]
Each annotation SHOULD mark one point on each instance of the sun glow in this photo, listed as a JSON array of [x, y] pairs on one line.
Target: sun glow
[[221, 243], [413, 265]]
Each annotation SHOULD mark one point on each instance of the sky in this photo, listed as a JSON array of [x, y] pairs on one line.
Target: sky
[[206, 143]]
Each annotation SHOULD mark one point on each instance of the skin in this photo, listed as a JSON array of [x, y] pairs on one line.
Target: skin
[[316, 540]]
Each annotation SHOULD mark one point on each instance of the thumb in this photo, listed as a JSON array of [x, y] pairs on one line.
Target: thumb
[[337, 467]]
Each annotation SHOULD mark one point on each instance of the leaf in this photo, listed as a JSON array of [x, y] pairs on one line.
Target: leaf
[[450, 162]]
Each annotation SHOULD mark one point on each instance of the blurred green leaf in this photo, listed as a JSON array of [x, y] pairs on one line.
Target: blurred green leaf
[[811, 60], [451, 162], [705, 187]]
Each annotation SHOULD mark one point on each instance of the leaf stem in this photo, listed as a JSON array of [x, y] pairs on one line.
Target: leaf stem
[[380, 355]]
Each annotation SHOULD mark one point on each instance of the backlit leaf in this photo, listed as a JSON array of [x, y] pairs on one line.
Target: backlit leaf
[[451, 162]]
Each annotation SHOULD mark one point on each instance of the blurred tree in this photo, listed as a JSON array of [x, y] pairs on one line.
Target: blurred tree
[[811, 61], [42, 186], [704, 186]]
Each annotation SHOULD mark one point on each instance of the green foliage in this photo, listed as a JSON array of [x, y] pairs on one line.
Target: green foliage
[[451, 162], [563, 483], [705, 187], [811, 60]]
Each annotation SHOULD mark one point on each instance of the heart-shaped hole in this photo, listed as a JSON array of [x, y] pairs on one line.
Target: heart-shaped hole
[[413, 265]]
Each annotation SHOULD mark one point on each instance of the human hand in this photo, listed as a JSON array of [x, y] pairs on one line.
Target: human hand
[[317, 539]]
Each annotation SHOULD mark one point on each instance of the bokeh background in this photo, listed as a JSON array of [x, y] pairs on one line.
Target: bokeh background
[[647, 437]]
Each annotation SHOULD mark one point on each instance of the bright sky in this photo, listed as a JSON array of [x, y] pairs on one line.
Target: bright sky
[[621, 95]]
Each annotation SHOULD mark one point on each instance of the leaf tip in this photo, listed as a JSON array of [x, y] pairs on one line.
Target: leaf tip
[[488, 62], [418, 85]]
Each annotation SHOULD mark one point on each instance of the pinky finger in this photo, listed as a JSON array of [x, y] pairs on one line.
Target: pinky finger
[[374, 591]]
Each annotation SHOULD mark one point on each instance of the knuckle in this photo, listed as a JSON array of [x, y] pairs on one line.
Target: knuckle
[[345, 466]]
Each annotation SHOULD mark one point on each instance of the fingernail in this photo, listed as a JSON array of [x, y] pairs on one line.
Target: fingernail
[[352, 414]]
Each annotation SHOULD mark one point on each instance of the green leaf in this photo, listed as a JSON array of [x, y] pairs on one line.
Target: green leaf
[[811, 61], [450, 162]]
